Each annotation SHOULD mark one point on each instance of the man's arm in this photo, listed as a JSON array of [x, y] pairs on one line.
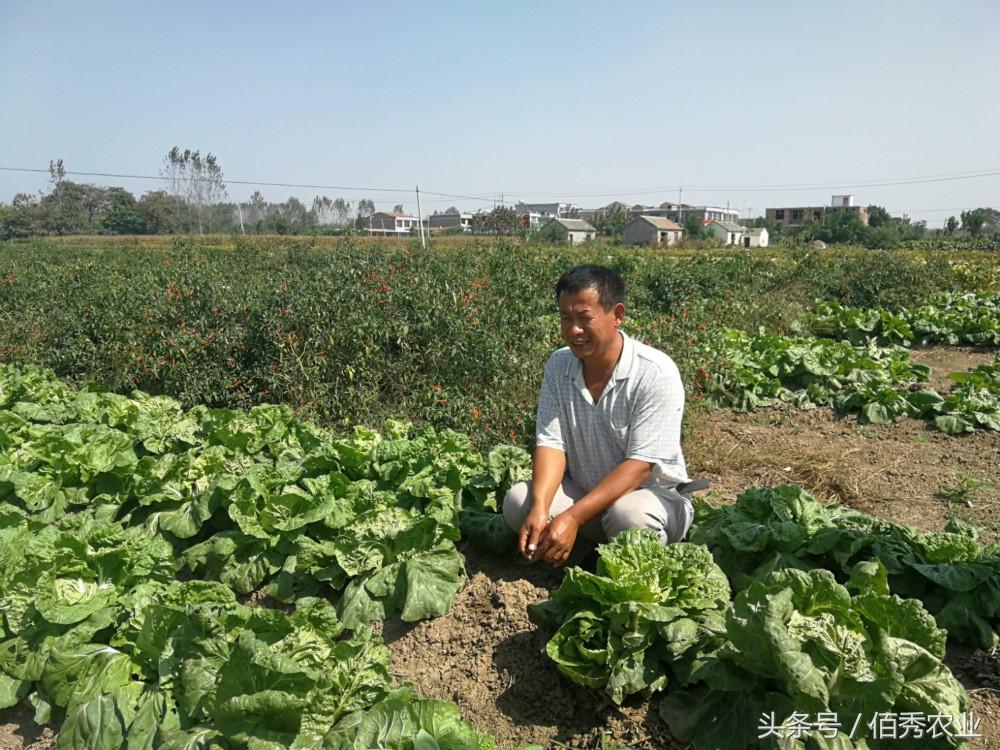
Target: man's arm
[[547, 472], [561, 533]]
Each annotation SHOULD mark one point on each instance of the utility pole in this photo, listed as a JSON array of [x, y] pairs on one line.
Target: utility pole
[[420, 219], [680, 205]]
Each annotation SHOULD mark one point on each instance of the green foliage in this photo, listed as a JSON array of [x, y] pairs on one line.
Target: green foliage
[[757, 371], [799, 643], [791, 643], [694, 229], [775, 229], [646, 606], [250, 498], [748, 372], [973, 221], [774, 529], [551, 232], [845, 227], [500, 221], [841, 227], [611, 222], [972, 403], [351, 331], [971, 318], [106, 499]]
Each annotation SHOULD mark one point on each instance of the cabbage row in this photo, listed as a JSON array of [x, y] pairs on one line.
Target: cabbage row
[[128, 526], [956, 578], [793, 645], [879, 383], [971, 318]]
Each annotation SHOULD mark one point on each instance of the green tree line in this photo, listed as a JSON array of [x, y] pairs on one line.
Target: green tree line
[[194, 202]]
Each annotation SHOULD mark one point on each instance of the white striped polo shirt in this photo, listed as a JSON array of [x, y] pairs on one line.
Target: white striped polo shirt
[[637, 416]]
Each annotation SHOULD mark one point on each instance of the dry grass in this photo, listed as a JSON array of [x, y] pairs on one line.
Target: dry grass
[[819, 467]]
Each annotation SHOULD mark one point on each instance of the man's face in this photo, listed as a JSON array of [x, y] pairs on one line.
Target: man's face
[[587, 327]]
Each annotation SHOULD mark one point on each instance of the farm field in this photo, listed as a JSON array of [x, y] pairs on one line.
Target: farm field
[[351, 335]]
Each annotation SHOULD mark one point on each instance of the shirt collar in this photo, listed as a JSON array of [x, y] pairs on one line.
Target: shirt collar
[[622, 369], [627, 359]]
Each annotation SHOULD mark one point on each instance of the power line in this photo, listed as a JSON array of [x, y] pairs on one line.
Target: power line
[[254, 183], [442, 197], [777, 188]]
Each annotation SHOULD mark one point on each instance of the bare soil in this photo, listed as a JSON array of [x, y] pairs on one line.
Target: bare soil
[[488, 658], [944, 360], [906, 472]]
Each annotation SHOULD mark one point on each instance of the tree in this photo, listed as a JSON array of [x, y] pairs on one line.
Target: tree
[[198, 178], [24, 218], [972, 221], [212, 189], [322, 208], [123, 217], [612, 219], [553, 232], [842, 226], [157, 210], [501, 220], [694, 229], [774, 228], [878, 216], [290, 217], [366, 207], [57, 173], [451, 211], [950, 225], [173, 171], [342, 211], [256, 211], [398, 208], [74, 209]]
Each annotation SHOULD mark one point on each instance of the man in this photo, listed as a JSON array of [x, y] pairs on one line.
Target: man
[[608, 454]]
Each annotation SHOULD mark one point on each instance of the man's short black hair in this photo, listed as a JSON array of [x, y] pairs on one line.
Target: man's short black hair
[[607, 283]]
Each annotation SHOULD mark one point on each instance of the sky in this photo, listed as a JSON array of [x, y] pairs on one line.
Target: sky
[[739, 103]]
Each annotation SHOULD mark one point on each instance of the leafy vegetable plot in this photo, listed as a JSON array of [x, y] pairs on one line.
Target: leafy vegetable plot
[[791, 643], [104, 499], [971, 318], [879, 383], [258, 499], [766, 530], [800, 643]]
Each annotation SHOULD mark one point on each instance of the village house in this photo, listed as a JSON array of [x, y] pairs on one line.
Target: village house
[[792, 217], [679, 212], [533, 215], [727, 232], [755, 237], [572, 231], [651, 230], [446, 221], [394, 224], [592, 214]]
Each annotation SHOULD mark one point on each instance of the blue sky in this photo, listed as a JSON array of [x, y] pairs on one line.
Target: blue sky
[[577, 101]]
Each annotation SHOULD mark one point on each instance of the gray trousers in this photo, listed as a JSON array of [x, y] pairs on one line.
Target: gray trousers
[[666, 512]]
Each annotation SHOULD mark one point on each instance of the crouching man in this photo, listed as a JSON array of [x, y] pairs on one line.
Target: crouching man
[[608, 453]]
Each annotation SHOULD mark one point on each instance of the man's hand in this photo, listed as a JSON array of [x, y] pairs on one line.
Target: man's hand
[[531, 532], [559, 538]]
